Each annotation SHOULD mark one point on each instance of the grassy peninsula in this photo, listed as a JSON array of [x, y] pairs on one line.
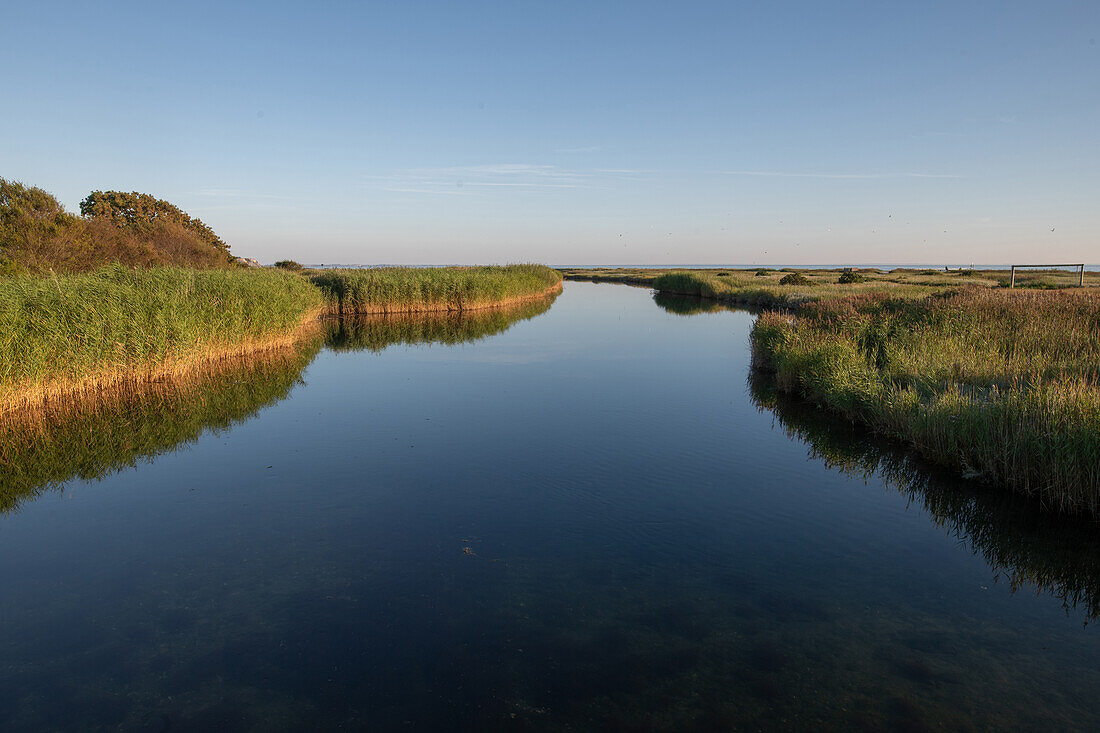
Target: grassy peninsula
[[994, 383], [432, 289], [134, 290], [998, 384]]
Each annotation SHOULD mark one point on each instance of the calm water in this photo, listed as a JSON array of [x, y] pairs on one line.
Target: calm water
[[584, 516]]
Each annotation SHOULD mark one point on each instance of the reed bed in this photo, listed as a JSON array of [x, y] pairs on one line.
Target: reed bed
[[740, 287], [115, 326], [420, 290], [996, 384]]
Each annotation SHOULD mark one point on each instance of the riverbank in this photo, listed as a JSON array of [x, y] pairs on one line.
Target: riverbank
[[116, 328], [997, 385], [432, 289]]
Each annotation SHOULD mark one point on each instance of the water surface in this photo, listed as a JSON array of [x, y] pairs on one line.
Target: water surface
[[582, 517]]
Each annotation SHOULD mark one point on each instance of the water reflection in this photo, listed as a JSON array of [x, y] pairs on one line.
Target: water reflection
[[687, 305], [93, 438], [380, 332], [1024, 545]]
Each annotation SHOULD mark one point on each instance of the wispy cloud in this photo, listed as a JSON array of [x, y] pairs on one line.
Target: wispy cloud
[[484, 178], [587, 149], [236, 193], [786, 174]]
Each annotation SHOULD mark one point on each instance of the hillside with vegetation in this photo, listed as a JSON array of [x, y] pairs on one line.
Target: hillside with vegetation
[[38, 235]]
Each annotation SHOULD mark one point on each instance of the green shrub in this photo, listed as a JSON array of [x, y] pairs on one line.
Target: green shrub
[[288, 265], [795, 278], [850, 276]]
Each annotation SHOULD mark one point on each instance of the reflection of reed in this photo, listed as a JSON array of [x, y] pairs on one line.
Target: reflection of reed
[[380, 331], [91, 438], [1051, 553], [110, 430]]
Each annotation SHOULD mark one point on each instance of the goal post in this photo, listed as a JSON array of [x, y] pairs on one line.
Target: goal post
[[1080, 267]]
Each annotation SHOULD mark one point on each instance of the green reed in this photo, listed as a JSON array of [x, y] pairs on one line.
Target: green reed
[[997, 384], [78, 326], [412, 289]]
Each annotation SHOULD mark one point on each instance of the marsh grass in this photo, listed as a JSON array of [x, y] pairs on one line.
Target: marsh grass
[[63, 334], [418, 290], [768, 289], [998, 384]]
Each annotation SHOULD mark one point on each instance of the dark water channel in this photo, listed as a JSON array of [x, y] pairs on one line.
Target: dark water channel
[[586, 516]]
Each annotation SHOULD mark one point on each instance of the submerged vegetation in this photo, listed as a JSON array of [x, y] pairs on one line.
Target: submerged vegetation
[[417, 290], [998, 384]]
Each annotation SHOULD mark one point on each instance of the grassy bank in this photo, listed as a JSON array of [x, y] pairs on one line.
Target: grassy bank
[[71, 333], [998, 384], [116, 327], [431, 289]]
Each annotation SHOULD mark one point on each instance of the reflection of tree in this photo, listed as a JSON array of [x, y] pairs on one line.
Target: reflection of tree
[[380, 331], [92, 438], [687, 305], [690, 305], [1029, 546]]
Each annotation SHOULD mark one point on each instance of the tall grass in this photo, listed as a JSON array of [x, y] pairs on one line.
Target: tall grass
[[743, 287], [411, 290], [67, 331], [1003, 385]]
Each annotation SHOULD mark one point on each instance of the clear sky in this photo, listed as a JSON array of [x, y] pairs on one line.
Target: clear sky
[[575, 133]]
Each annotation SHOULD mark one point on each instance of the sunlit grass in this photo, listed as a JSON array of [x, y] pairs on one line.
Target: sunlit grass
[[119, 321], [998, 384], [412, 289]]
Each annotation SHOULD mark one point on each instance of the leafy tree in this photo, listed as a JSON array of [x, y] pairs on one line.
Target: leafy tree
[[140, 211], [288, 265], [35, 229]]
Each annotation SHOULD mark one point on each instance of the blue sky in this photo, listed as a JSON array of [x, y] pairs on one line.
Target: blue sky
[[586, 133]]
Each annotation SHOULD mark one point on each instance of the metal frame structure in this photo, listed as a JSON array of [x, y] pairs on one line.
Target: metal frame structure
[[1081, 267]]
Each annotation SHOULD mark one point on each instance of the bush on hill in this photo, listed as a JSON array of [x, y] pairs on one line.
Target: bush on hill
[[37, 234]]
